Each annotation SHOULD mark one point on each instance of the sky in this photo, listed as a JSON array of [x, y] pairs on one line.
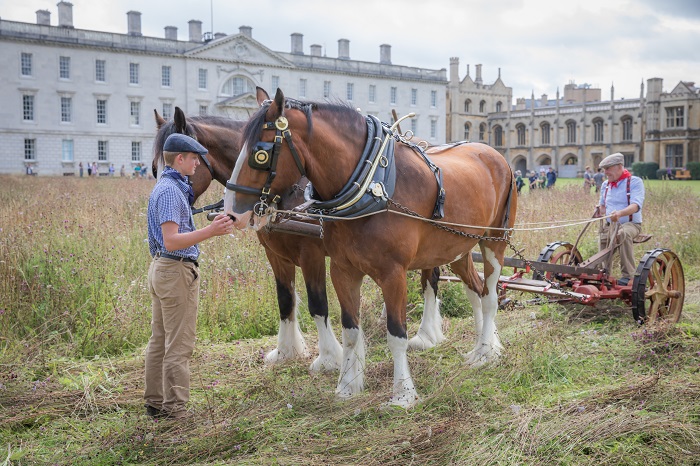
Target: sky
[[539, 45]]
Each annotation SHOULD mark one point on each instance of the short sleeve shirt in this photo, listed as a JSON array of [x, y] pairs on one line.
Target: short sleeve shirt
[[169, 203], [616, 198]]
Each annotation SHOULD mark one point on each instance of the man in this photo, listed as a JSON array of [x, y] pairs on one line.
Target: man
[[621, 197], [551, 177], [598, 179], [173, 278]]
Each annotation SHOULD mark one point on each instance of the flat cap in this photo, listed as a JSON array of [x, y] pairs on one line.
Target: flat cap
[[612, 159], [177, 142]]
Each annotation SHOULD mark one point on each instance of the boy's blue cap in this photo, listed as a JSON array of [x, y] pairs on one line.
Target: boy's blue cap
[[177, 142]]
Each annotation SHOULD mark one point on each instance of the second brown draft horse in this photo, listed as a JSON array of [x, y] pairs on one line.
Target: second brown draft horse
[[222, 137], [333, 145]]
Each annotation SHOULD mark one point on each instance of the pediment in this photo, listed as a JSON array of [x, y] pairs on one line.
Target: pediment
[[240, 107], [239, 48]]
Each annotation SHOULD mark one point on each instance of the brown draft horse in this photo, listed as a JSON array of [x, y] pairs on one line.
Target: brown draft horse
[[222, 137], [326, 142]]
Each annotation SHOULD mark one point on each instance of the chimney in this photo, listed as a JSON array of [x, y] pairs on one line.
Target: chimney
[[545, 100], [297, 43], [478, 75], [134, 23], [454, 69], [65, 14], [43, 17], [195, 30], [171, 32], [246, 31], [316, 50], [219, 35], [344, 49], [385, 54]]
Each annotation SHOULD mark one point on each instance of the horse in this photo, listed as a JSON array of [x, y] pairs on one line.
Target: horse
[[222, 137], [468, 186]]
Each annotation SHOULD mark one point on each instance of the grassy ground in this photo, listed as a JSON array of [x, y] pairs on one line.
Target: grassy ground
[[576, 385]]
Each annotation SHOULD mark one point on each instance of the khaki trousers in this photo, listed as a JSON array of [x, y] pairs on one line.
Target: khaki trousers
[[174, 288], [626, 232]]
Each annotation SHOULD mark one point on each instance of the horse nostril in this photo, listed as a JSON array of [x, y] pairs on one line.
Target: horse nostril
[[232, 218]]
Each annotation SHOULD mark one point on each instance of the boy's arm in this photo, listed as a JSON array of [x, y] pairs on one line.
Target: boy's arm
[[221, 225]]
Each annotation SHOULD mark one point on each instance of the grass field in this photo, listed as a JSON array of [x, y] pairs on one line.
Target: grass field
[[575, 385]]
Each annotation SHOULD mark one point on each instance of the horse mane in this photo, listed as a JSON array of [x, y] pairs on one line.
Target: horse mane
[[341, 110]]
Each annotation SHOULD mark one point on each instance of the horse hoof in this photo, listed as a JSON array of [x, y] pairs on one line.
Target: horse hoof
[[423, 342], [324, 364], [402, 401]]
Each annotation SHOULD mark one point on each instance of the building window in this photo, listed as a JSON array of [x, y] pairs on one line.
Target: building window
[[133, 73], [545, 130], [102, 151], [167, 110], [414, 97], [627, 129], [520, 130], [598, 130], [135, 151], [101, 112], [499, 106], [674, 117], [202, 79], [433, 99], [135, 114], [64, 67], [202, 110], [28, 107], [326, 89], [100, 71], [67, 150], [350, 91], [237, 85], [467, 127], [498, 136], [467, 105], [674, 155], [302, 88], [414, 125], [372, 93], [482, 132], [482, 106], [628, 160], [165, 76], [30, 149], [66, 109], [433, 129], [392, 96], [26, 64], [571, 132], [275, 81]]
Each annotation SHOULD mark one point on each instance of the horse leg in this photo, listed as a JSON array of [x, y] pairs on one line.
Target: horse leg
[[473, 287], [488, 345], [347, 283], [394, 289], [330, 353], [430, 330], [290, 342]]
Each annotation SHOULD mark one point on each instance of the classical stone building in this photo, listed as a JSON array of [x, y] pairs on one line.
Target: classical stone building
[[577, 129], [73, 95]]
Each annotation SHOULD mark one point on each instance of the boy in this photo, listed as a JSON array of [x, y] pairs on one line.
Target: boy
[[173, 278]]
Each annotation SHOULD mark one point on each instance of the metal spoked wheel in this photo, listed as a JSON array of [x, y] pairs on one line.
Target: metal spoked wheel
[[658, 288], [558, 252]]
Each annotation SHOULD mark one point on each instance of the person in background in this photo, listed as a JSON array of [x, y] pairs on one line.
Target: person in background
[[533, 180], [111, 169], [519, 183], [587, 180], [173, 278], [89, 169], [122, 171], [621, 197], [95, 172], [137, 171], [551, 177], [80, 169], [598, 179]]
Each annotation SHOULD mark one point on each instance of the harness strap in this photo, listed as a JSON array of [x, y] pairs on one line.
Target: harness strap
[[439, 209]]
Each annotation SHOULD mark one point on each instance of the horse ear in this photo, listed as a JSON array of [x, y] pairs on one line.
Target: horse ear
[[180, 121], [261, 95], [277, 106], [159, 119]]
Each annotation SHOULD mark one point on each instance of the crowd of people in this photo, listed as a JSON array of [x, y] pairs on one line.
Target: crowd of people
[[93, 170], [545, 180]]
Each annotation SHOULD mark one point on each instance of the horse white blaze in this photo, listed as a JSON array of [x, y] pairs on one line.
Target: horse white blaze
[[290, 342], [430, 330], [488, 344], [475, 301], [352, 369], [330, 353], [405, 394], [230, 196]]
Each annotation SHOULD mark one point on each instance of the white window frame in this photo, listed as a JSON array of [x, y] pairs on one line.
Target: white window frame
[[372, 93], [392, 95], [64, 67], [101, 111], [433, 99], [30, 149], [350, 91], [202, 79], [100, 70], [135, 151], [28, 104], [326, 89], [166, 72], [167, 111], [135, 113], [274, 83], [414, 97], [134, 79], [302, 88], [67, 150], [102, 151], [66, 109], [26, 63]]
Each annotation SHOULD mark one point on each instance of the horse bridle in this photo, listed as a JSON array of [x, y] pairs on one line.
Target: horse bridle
[[264, 157]]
